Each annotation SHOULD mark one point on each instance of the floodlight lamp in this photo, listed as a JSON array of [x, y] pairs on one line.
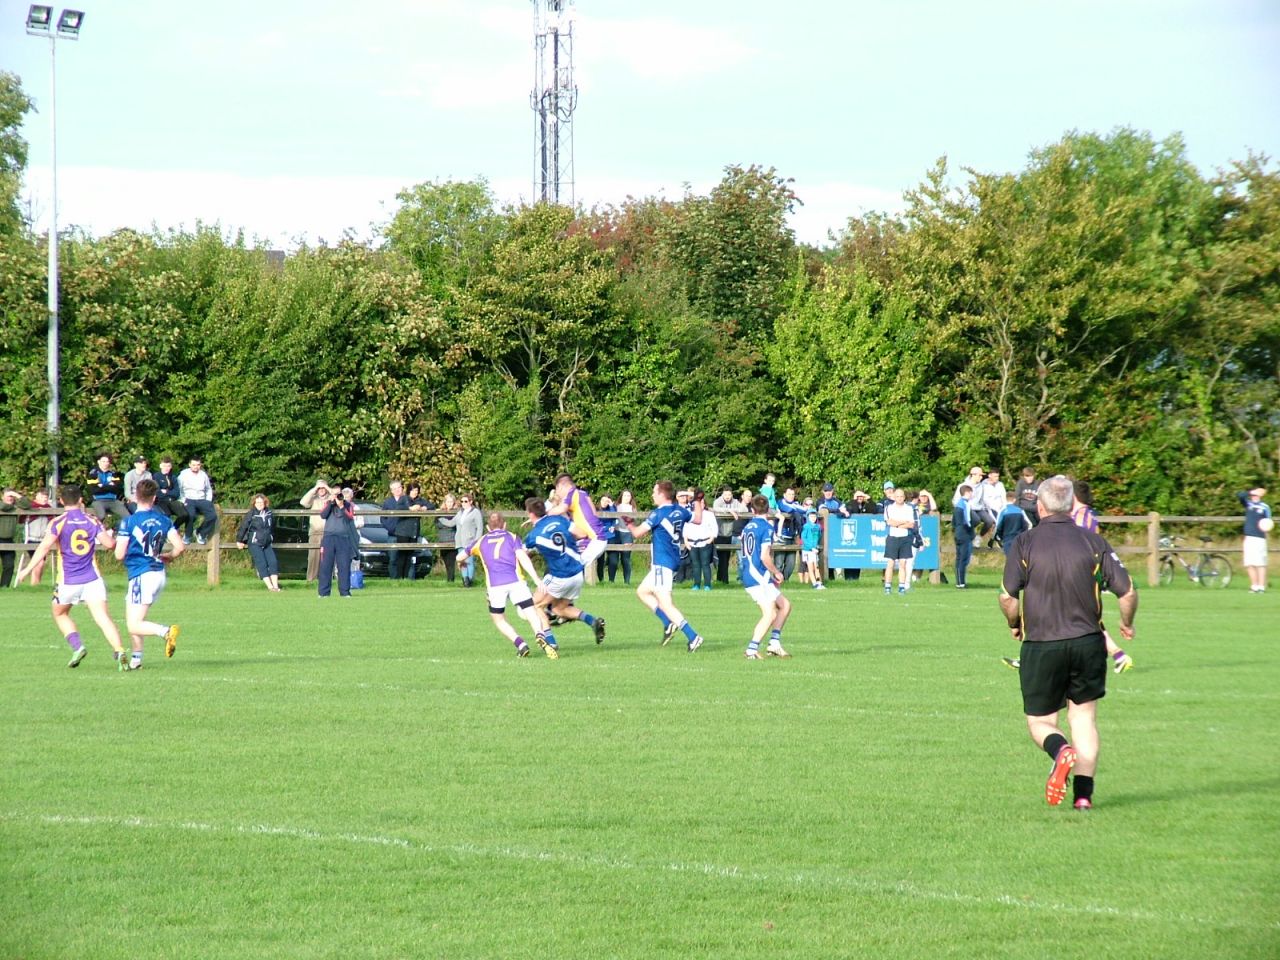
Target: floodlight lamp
[[69, 24], [39, 20]]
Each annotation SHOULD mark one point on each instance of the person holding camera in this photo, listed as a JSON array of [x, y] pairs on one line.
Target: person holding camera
[[338, 543]]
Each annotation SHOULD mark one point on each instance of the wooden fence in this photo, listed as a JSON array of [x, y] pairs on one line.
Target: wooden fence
[[1148, 544]]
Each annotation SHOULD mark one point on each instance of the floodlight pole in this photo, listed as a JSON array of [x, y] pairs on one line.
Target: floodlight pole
[[53, 414], [40, 23]]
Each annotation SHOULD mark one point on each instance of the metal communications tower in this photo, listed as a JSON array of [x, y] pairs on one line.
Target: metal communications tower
[[553, 100]]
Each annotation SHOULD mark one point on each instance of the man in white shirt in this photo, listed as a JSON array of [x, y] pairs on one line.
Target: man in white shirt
[[196, 490], [991, 497]]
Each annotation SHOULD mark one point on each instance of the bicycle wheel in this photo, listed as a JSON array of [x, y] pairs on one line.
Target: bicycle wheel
[[1215, 570], [1166, 571]]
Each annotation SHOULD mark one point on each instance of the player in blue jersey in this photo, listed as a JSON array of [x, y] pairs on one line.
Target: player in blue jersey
[[140, 543], [553, 537], [503, 557], [761, 577], [666, 523]]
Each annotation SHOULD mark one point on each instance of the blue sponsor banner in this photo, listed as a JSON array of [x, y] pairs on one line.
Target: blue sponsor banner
[[858, 542]]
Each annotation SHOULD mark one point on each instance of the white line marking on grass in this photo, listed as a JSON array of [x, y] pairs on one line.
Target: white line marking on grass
[[818, 878]]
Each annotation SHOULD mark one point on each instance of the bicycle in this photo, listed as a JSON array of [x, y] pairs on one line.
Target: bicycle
[[1208, 569]]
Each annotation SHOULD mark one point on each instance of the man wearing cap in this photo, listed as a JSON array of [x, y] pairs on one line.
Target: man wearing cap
[[315, 500], [887, 499], [139, 472]]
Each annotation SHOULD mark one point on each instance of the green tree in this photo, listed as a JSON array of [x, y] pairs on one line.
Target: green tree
[[14, 106]]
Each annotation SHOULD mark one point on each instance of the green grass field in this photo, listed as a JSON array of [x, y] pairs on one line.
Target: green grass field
[[381, 777]]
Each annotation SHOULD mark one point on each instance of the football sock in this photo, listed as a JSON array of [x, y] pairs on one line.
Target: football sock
[[1083, 787], [586, 618], [754, 645], [519, 642], [73, 640], [662, 617], [688, 630], [1053, 743], [775, 636], [1118, 656]]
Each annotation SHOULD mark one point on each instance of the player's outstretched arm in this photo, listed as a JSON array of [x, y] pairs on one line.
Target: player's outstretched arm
[[637, 531]]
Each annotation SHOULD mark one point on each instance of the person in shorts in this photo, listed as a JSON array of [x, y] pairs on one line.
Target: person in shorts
[[1257, 524], [76, 535], [899, 550], [761, 577], [810, 542], [666, 523], [140, 544], [503, 558], [1052, 600], [554, 539]]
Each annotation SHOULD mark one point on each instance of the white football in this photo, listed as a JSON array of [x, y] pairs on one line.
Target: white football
[[1266, 524]]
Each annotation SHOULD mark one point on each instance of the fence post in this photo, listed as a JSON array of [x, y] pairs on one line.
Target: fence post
[[1153, 548], [215, 557]]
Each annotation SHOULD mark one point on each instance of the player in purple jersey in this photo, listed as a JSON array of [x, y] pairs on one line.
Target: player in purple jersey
[[587, 527], [76, 535], [666, 523], [140, 545], [503, 557]]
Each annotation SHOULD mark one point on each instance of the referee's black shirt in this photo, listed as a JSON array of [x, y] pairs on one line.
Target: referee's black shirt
[[1060, 571]]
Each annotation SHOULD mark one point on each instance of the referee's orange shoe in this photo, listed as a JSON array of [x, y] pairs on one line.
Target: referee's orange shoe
[[1055, 788]]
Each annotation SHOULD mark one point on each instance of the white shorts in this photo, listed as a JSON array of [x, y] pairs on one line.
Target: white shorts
[[809, 556], [563, 588], [516, 593], [145, 589], [69, 594], [1255, 551], [764, 594], [593, 550], [658, 580]]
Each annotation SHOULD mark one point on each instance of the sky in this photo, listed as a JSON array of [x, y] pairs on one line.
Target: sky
[[299, 122]]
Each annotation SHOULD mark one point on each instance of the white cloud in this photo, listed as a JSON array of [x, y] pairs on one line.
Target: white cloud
[[659, 49]]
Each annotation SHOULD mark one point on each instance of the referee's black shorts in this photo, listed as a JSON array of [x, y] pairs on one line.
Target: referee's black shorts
[[1055, 671]]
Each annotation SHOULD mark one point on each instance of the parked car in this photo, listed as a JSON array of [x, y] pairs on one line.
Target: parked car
[[373, 540]]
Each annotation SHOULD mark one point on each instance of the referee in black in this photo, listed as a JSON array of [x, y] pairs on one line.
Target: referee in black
[[1052, 598]]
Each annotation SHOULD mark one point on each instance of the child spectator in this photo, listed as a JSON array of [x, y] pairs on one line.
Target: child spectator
[[1011, 522], [810, 538]]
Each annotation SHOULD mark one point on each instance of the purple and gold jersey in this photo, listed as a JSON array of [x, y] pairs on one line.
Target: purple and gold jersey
[[77, 534], [497, 551], [582, 516]]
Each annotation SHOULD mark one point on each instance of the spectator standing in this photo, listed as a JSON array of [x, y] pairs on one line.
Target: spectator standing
[[726, 508], [315, 500], [168, 496], [901, 519], [700, 537], [197, 496], [258, 533], [106, 489], [626, 509], [469, 528], [401, 530], [1053, 605], [1011, 522], [1257, 524], [447, 534], [886, 501], [10, 502], [424, 559], [36, 525], [139, 472], [608, 528], [338, 546], [1026, 494], [963, 526], [993, 496], [860, 505], [810, 544]]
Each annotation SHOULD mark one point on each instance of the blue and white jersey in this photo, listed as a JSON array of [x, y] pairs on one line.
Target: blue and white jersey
[[555, 540], [755, 536], [146, 532], [1254, 513], [667, 524]]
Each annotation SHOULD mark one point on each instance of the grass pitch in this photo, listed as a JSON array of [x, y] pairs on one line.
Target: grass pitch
[[380, 777]]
